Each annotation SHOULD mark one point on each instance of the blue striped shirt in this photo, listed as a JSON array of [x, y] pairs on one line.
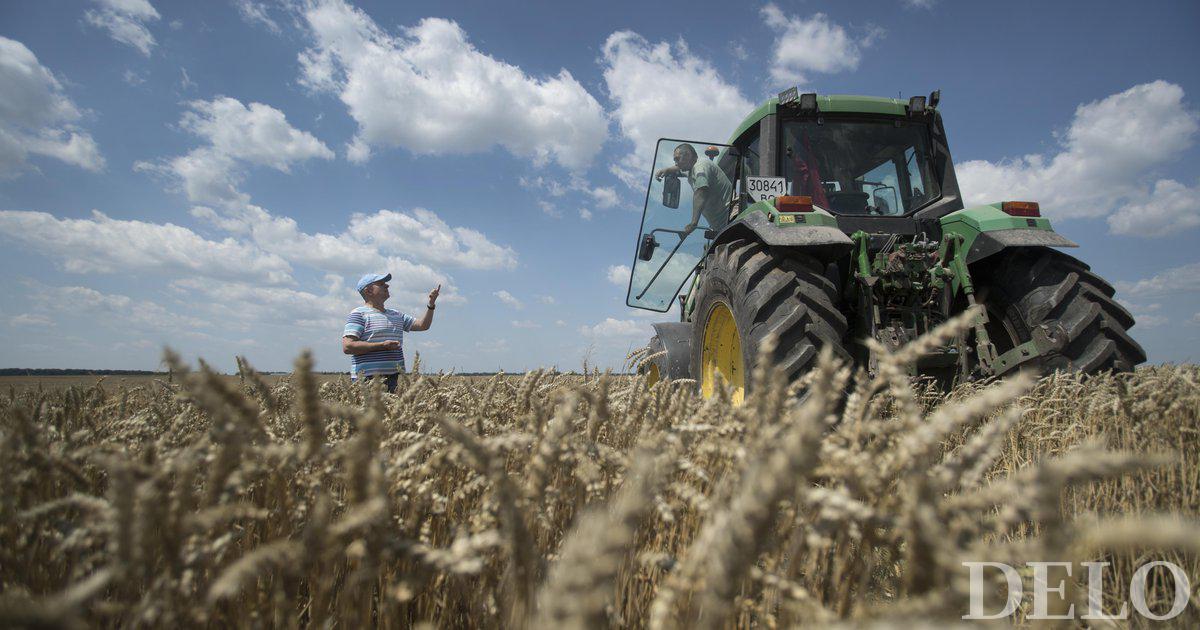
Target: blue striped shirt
[[367, 324]]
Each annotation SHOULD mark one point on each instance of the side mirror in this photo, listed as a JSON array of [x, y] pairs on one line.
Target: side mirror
[[670, 197], [646, 251]]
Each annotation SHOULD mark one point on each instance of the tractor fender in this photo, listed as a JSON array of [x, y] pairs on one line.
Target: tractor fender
[[676, 338], [824, 242], [993, 242]]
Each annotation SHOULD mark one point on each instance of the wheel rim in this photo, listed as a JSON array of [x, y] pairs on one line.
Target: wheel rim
[[722, 354], [652, 375]]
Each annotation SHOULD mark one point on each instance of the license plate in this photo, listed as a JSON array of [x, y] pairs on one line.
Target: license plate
[[764, 188]]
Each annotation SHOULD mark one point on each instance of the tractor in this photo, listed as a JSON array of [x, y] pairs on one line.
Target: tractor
[[828, 220]]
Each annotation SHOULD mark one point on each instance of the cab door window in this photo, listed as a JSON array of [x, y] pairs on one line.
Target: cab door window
[[676, 221]]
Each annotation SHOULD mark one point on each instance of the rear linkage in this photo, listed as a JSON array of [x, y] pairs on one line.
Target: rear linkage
[[906, 289]]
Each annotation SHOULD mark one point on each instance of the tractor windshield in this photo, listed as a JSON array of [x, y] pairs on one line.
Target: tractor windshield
[[860, 167]]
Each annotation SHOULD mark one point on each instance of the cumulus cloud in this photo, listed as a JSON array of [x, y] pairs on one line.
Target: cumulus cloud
[[125, 21], [241, 305], [812, 45], [663, 90], [36, 116], [424, 235], [525, 323], [105, 245], [508, 298], [585, 214], [605, 196], [396, 87], [236, 136], [1103, 163], [618, 274], [602, 196], [612, 328], [116, 309], [1170, 207], [1182, 279]]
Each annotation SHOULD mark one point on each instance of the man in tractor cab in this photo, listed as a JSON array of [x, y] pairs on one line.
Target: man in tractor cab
[[711, 188]]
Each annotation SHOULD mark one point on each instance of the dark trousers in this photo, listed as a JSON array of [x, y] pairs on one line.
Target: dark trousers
[[389, 381]]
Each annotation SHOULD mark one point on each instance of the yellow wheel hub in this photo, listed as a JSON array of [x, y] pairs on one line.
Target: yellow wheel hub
[[722, 354], [652, 375]]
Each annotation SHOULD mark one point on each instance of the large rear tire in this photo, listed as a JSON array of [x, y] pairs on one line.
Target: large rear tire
[[1039, 291], [748, 291]]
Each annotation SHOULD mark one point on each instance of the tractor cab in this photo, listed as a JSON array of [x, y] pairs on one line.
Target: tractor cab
[[872, 164]]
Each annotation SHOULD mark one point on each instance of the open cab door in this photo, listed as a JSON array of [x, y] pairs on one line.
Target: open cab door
[[667, 252]]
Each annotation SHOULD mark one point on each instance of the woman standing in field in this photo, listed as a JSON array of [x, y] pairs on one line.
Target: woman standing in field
[[374, 335]]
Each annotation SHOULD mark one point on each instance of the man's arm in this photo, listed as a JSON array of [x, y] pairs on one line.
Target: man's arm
[[351, 345], [699, 196], [673, 171], [427, 319]]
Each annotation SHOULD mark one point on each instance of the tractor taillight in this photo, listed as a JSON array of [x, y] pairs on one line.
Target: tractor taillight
[[789, 203], [1021, 208]]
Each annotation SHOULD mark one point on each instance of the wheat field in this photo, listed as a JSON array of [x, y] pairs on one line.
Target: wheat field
[[553, 500]]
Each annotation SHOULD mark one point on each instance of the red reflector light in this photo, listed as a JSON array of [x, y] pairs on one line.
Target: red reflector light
[[793, 204], [1021, 208]]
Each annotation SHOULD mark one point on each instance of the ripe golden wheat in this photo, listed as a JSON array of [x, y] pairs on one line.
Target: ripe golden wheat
[[593, 500]]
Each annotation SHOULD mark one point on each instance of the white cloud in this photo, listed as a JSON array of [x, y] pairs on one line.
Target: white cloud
[[605, 196], [125, 21], [36, 117], [256, 134], [549, 209], [1147, 315], [32, 320], [185, 81], [618, 274], [1182, 279], [133, 78], [241, 304], [816, 44], [920, 4], [424, 235], [585, 214], [1171, 207], [1107, 155], [549, 185], [237, 136], [612, 328], [256, 13], [560, 323], [116, 309], [106, 245], [525, 323], [398, 88], [507, 298], [663, 90], [547, 299]]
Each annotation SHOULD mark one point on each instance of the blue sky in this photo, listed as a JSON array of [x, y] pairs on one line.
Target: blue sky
[[215, 176]]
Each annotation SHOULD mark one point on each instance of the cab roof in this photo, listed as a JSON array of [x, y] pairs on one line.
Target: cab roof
[[831, 103]]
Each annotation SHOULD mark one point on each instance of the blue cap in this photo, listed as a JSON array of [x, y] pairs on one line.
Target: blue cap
[[372, 277]]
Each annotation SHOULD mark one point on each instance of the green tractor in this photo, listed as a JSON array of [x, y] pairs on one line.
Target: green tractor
[[829, 220]]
